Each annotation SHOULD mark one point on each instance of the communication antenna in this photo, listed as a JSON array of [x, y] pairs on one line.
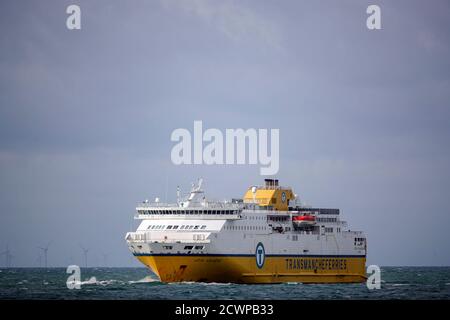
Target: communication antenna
[[254, 194], [199, 185]]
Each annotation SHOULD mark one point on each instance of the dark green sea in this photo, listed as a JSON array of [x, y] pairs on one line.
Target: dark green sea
[[139, 283]]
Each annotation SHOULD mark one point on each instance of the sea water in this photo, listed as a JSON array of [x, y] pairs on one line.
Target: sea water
[[140, 283]]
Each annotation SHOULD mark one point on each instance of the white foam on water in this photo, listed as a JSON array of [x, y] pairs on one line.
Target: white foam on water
[[400, 284], [183, 282], [215, 283], [108, 282], [92, 280], [146, 279], [201, 283]]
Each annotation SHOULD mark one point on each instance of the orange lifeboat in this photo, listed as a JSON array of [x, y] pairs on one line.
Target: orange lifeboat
[[304, 220]]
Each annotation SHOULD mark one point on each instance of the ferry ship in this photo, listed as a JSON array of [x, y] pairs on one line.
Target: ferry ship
[[266, 237]]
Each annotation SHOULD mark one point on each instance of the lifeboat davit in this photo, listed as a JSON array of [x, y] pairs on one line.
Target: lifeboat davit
[[305, 220]]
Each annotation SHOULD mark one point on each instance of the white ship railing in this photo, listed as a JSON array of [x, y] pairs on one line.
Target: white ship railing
[[188, 216], [147, 237], [194, 205], [268, 187]]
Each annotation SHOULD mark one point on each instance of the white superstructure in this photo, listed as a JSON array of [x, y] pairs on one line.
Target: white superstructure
[[255, 229]]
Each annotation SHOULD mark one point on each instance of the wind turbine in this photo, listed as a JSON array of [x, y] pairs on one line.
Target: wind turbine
[[45, 250], [39, 261], [105, 259], [8, 256], [85, 253]]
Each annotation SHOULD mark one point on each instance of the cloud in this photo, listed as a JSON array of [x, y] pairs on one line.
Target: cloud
[[238, 23]]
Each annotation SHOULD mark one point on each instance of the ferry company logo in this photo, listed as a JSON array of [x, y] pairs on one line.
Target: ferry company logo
[[283, 197], [260, 255]]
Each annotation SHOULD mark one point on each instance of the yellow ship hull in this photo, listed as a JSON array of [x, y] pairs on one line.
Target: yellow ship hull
[[243, 269]]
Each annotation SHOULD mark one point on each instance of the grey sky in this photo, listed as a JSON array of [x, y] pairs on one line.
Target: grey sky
[[86, 116]]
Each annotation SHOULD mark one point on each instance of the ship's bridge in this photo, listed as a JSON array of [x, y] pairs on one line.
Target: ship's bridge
[[271, 196], [193, 206]]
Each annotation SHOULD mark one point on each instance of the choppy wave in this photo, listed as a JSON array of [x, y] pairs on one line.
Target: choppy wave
[[147, 279], [94, 281], [139, 283], [215, 283], [90, 281]]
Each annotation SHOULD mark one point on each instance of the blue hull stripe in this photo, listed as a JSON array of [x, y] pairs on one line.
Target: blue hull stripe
[[245, 255]]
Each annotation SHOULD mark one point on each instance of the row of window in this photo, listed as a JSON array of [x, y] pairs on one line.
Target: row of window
[[195, 247], [359, 241], [241, 228], [255, 217], [185, 248], [167, 211], [283, 218], [326, 219], [175, 227]]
